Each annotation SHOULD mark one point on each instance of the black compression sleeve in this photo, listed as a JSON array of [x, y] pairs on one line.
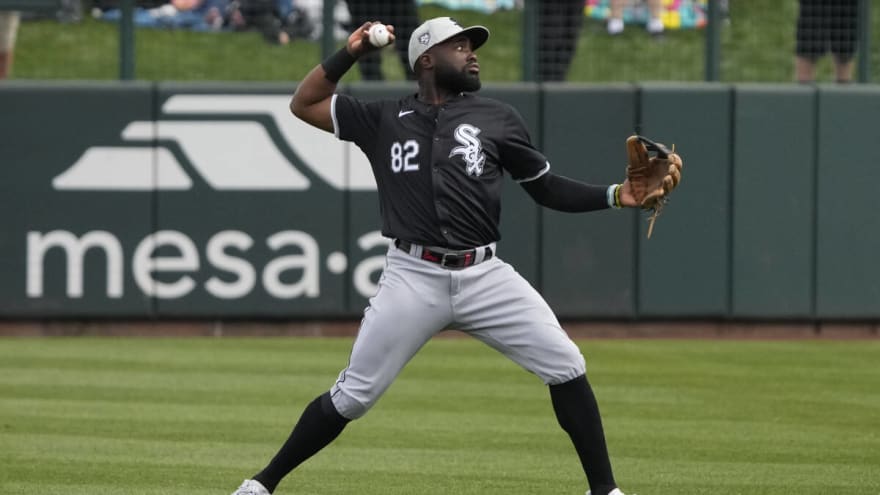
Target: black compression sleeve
[[337, 65], [563, 194]]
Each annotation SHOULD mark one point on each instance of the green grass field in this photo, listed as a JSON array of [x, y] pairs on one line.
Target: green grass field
[[757, 46], [145, 416]]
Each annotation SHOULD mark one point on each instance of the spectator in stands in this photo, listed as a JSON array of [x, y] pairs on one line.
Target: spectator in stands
[[262, 16], [654, 24], [279, 21], [823, 26], [295, 21], [103, 5], [559, 28], [197, 15], [202, 15], [8, 31], [403, 15]]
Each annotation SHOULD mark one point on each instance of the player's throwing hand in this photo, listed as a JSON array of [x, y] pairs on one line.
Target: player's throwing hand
[[359, 41]]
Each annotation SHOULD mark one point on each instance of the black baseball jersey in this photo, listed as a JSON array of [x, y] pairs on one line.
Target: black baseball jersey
[[439, 169]]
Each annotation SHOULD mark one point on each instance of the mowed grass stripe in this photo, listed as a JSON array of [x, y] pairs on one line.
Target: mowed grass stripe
[[444, 431], [342, 467], [191, 416], [177, 355]]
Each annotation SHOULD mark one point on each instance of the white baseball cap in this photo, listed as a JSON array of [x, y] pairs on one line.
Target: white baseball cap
[[438, 30]]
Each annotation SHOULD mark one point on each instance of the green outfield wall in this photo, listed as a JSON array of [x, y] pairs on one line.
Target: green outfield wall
[[168, 201]]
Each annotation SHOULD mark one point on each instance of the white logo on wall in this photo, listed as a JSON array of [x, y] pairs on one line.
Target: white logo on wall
[[228, 154], [471, 149]]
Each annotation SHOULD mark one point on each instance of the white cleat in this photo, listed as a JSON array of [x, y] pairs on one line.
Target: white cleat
[[253, 487], [616, 491]]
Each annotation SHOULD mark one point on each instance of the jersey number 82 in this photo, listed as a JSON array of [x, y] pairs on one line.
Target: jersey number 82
[[404, 158]]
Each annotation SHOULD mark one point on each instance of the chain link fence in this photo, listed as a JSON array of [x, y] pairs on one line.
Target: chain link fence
[[553, 40]]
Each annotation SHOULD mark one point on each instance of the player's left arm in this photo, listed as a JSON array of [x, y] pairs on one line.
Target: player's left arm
[[530, 168], [561, 193]]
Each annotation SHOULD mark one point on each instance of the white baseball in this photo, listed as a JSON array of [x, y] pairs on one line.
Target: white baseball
[[379, 35]]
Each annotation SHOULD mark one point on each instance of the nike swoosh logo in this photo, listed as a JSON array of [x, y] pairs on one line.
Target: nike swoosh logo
[[404, 112]]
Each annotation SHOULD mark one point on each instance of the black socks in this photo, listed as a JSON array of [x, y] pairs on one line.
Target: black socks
[[573, 401], [578, 414], [319, 425]]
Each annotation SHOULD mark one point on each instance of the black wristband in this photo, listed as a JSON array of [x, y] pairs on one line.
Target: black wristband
[[337, 65]]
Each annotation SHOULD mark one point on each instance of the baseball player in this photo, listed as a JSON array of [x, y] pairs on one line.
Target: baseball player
[[439, 158]]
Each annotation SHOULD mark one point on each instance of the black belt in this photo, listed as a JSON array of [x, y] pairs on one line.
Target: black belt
[[446, 258]]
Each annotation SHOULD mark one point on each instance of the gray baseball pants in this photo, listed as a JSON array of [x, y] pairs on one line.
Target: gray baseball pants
[[417, 299]]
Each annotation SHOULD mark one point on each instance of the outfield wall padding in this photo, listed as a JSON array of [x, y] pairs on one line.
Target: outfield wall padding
[[44, 128], [685, 267], [177, 201], [587, 259], [773, 224], [848, 243]]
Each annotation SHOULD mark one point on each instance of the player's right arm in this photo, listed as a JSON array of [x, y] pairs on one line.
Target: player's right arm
[[312, 99]]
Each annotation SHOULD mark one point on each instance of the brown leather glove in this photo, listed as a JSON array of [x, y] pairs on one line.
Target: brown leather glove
[[652, 177]]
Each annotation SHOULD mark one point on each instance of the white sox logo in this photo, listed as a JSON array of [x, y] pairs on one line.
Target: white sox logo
[[471, 149]]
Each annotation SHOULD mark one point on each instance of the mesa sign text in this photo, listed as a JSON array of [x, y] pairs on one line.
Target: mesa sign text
[[226, 252]]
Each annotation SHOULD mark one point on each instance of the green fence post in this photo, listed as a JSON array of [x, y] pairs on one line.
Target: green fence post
[[126, 41], [713, 42], [530, 41], [864, 41], [327, 40]]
